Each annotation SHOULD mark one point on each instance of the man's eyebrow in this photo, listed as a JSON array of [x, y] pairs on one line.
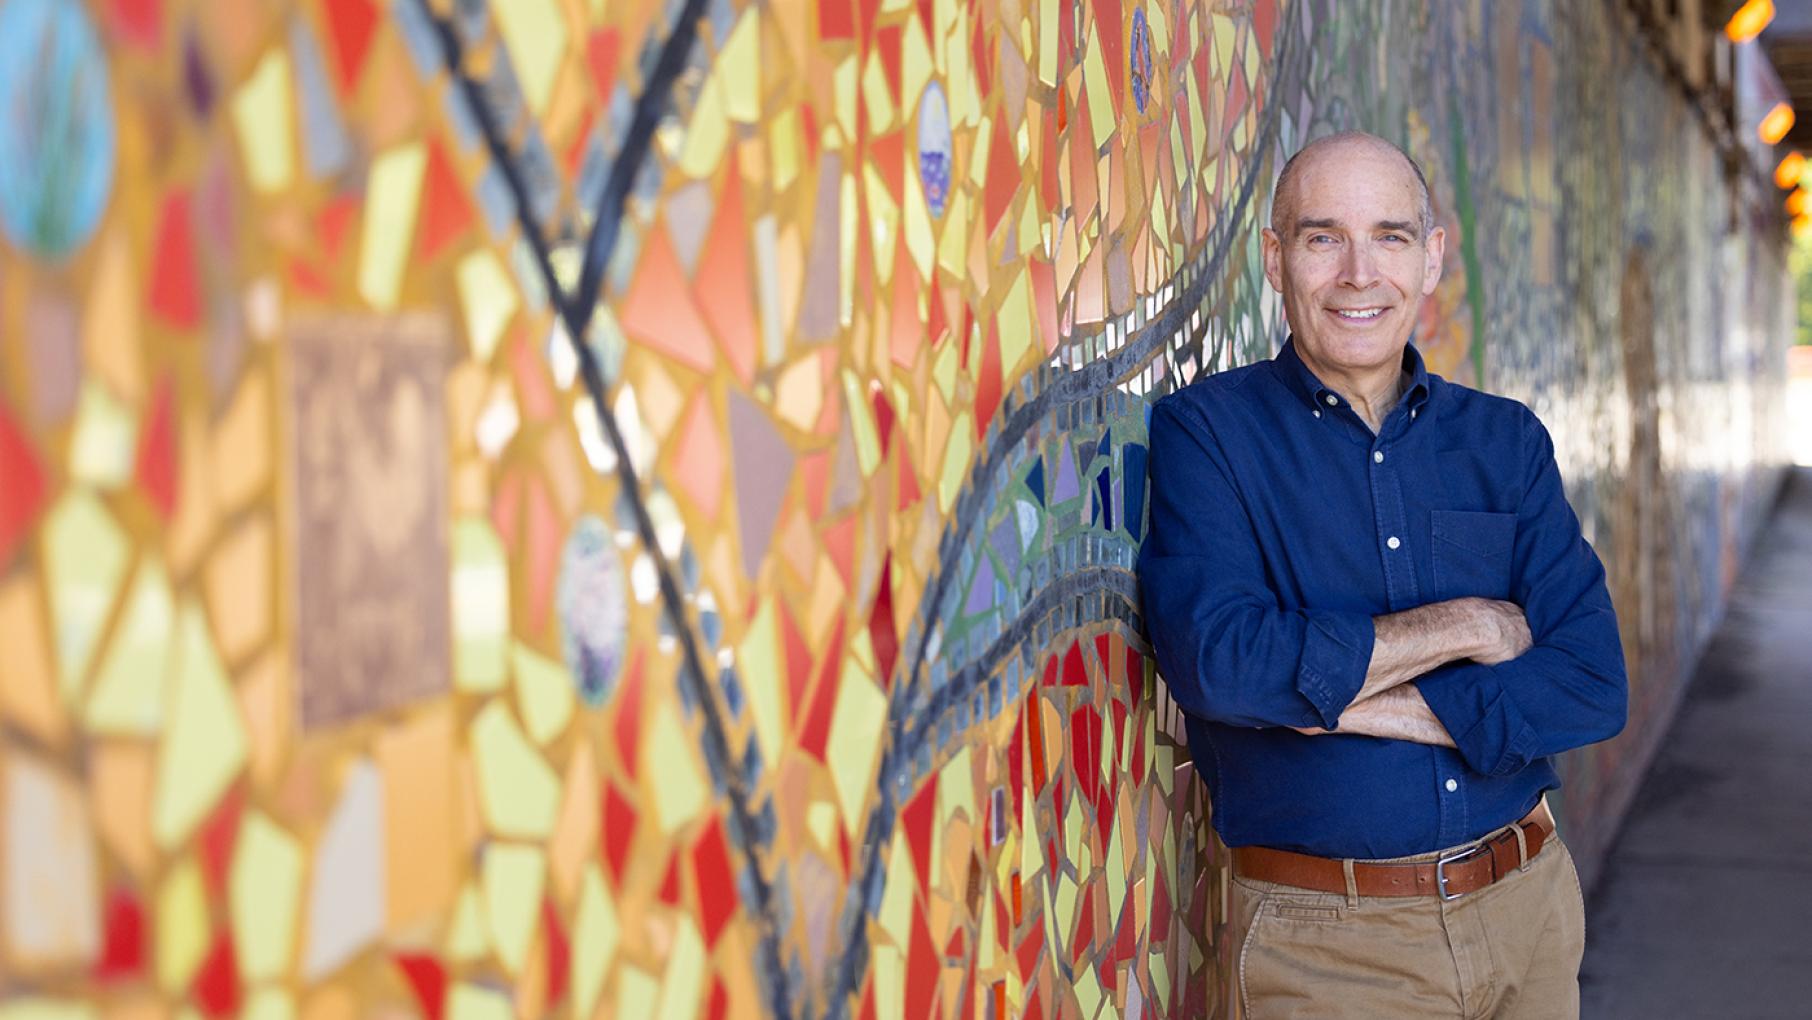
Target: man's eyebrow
[[1309, 224], [1400, 226]]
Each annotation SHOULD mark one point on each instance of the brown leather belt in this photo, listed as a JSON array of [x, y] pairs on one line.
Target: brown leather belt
[[1452, 875]]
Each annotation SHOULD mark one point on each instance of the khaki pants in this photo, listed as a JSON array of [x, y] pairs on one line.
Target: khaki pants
[[1509, 950]]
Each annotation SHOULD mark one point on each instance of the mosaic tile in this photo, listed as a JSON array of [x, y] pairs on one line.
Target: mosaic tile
[[666, 752], [266, 880], [204, 743], [513, 878], [393, 196], [57, 200], [519, 792], [481, 607], [182, 925], [29, 699], [346, 895], [100, 451], [421, 844], [240, 445], [575, 837], [85, 557], [544, 694], [263, 114], [269, 1003], [467, 1001], [128, 693], [237, 586], [50, 880]]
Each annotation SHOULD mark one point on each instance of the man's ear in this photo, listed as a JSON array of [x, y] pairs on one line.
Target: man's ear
[[1272, 246], [1436, 254]]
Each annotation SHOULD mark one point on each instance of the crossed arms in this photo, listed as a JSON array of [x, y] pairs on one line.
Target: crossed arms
[[1504, 682]]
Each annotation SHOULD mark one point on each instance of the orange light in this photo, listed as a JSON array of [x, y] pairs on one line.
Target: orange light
[[1787, 171], [1796, 202], [1775, 126], [1749, 20], [1802, 226]]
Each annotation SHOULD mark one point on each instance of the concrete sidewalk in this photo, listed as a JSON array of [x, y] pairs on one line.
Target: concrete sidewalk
[[1705, 904]]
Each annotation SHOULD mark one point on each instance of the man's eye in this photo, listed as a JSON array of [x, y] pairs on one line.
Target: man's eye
[[1394, 238], [1321, 239]]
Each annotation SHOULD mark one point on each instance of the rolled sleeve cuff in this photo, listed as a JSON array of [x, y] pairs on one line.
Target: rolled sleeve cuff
[[1336, 651], [1486, 726]]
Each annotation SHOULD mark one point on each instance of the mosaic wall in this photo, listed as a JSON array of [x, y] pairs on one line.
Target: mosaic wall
[[612, 509]]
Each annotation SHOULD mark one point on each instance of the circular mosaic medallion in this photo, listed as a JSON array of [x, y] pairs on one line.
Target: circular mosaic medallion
[[1140, 59], [593, 609], [57, 145], [934, 148]]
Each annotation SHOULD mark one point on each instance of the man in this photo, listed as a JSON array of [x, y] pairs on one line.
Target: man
[[1367, 592]]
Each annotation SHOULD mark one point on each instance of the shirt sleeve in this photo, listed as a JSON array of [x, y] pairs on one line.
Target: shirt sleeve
[[1569, 689], [1224, 646]]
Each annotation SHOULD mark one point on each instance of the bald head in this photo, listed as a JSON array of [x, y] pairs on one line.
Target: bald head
[[1333, 148]]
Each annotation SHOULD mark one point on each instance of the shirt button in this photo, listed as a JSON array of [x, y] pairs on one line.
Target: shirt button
[[1317, 412], [1452, 786], [1331, 399], [1412, 413], [1377, 456], [1392, 542]]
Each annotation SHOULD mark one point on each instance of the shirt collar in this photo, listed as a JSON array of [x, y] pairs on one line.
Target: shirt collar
[[1304, 383]]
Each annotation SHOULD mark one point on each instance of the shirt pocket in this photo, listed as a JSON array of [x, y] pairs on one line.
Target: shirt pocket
[[1472, 553]]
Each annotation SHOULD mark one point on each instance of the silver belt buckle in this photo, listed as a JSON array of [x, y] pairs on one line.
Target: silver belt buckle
[[1449, 858]]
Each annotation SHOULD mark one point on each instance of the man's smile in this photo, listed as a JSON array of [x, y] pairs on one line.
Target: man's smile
[[1359, 315]]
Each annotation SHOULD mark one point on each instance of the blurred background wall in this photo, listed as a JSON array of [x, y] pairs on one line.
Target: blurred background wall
[[596, 508]]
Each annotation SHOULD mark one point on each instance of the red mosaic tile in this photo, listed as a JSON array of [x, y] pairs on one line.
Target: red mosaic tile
[[446, 211], [722, 284], [175, 290], [219, 832], [715, 880], [350, 24], [23, 495], [987, 387], [543, 546], [559, 954], [816, 731], [1027, 954], [427, 979], [1085, 750], [216, 986], [138, 22], [156, 467], [882, 633], [1003, 176], [908, 488], [618, 822], [922, 967], [916, 821], [122, 955], [628, 723], [658, 310], [1075, 672], [601, 49]]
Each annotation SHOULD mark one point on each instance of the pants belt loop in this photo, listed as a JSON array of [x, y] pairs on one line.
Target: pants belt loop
[[1522, 847], [1352, 884]]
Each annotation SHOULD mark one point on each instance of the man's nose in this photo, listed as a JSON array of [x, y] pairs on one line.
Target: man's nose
[[1358, 266]]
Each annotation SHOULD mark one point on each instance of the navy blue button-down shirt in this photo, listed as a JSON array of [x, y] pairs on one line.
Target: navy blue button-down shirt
[[1281, 525]]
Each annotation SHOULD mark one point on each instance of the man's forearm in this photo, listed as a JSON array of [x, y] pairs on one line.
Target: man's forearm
[[1410, 643], [1398, 713]]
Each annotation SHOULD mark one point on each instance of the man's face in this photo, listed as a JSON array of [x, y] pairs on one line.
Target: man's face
[[1352, 263]]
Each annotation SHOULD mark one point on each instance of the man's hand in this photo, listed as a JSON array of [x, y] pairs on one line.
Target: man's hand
[[1507, 631]]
